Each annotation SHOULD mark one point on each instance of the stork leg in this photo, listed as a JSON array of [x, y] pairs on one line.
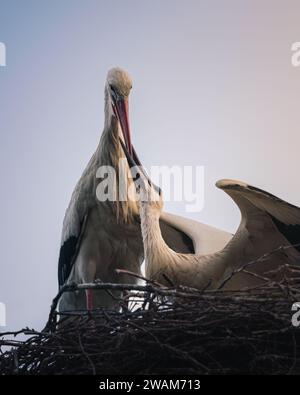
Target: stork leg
[[126, 300], [89, 299]]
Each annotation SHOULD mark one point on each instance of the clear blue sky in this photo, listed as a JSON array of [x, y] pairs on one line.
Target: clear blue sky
[[213, 86]]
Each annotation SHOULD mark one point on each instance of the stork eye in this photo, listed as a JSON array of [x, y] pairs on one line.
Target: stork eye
[[113, 92]]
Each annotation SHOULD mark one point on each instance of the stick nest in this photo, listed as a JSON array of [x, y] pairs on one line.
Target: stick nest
[[166, 331]]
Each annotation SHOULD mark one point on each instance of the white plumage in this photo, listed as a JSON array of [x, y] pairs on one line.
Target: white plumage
[[267, 223], [98, 237]]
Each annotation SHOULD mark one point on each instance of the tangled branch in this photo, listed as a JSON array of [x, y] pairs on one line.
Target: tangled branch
[[166, 331]]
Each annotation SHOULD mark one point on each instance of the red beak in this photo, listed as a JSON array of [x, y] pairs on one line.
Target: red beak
[[121, 106]]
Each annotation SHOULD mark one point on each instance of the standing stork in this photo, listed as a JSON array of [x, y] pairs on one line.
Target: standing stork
[[267, 224], [100, 236]]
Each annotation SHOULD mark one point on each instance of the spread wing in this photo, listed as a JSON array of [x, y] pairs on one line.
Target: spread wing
[[267, 223], [175, 238], [188, 236]]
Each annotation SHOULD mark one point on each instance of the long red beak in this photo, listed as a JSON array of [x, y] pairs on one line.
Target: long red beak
[[123, 115]]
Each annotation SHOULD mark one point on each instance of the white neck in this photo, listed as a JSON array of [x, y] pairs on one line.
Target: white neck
[[197, 271], [110, 153], [157, 253]]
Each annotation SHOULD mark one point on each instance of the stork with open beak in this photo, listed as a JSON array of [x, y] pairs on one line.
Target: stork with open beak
[[101, 236], [269, 227]]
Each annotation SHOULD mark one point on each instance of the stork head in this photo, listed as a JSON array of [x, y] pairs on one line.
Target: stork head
[[151, 199], [118, 85]]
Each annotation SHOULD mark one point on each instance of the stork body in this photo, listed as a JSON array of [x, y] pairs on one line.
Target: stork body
[[267, 223], [100, 236]]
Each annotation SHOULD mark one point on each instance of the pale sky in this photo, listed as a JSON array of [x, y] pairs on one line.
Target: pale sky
[[213, 86]]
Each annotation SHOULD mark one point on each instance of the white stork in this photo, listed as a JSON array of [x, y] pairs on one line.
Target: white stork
[[98, 237], [267, 223]]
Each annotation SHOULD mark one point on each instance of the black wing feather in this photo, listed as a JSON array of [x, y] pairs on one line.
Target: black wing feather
[[290, 232], [68, 253], [176, 239]]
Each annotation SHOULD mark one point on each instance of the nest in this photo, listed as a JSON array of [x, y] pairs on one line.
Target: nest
[[167, 331]]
